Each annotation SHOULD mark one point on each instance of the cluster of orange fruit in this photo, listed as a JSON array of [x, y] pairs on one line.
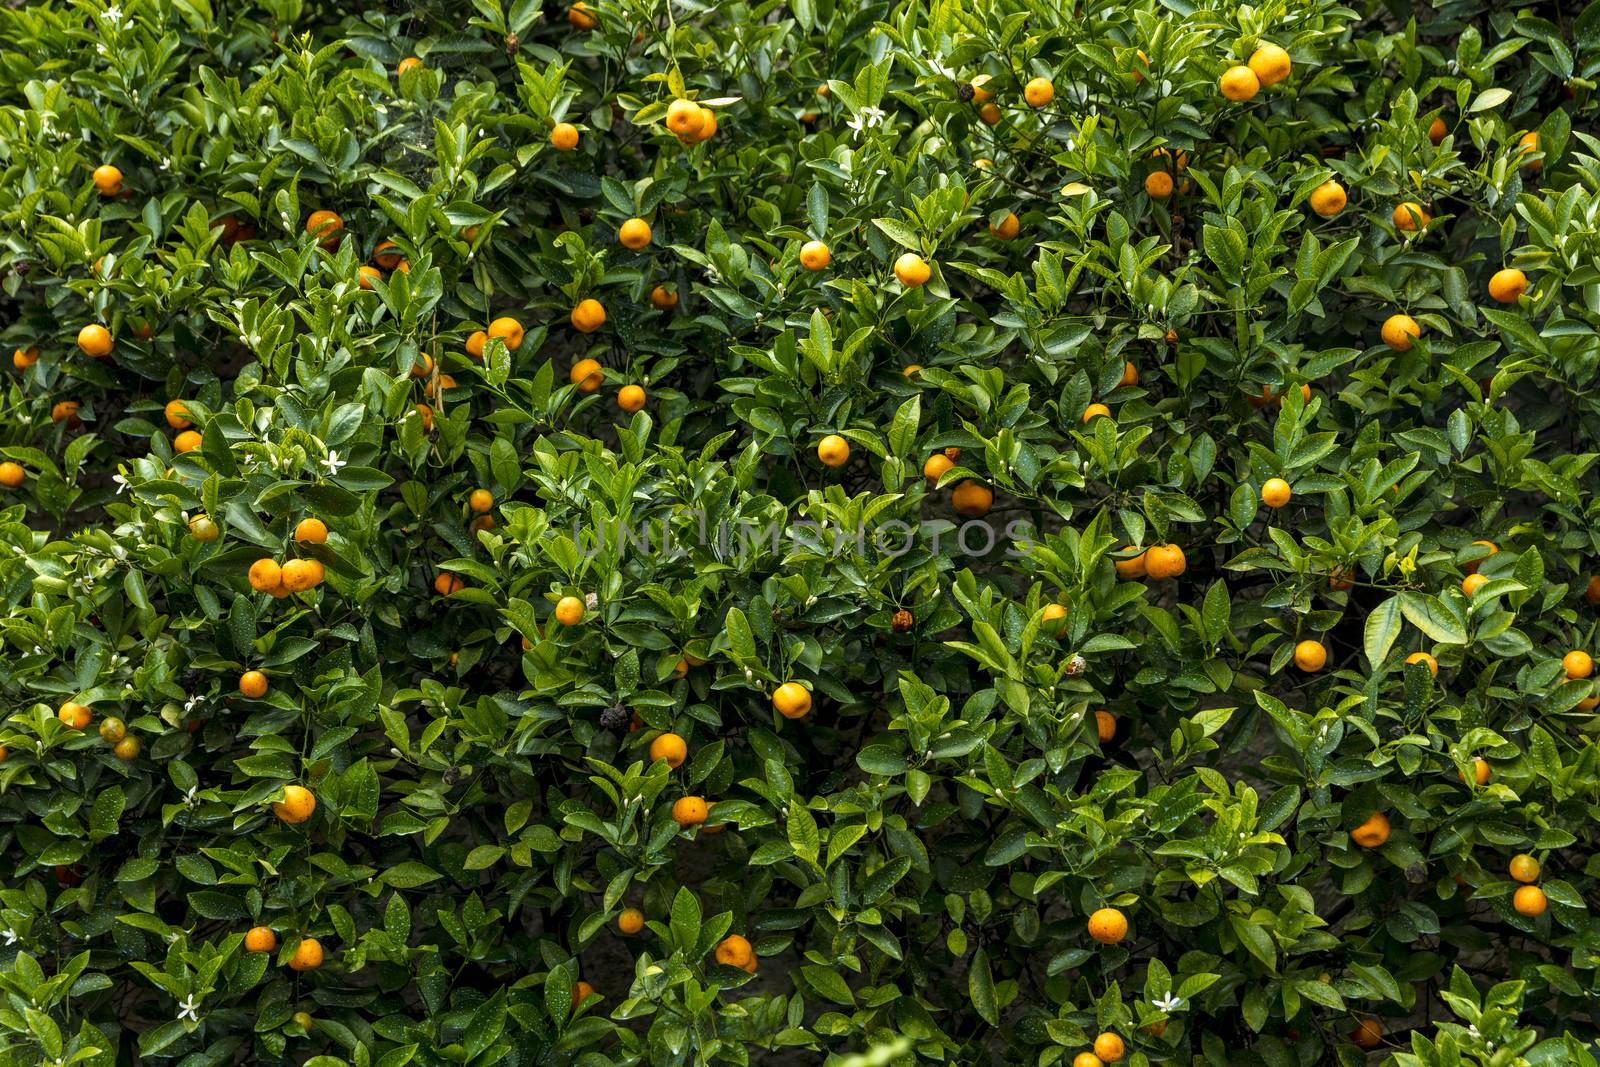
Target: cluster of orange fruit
[[690, 122], [113, 731], [307, 954], [292, 576], [1038, 92], [1267, 66]]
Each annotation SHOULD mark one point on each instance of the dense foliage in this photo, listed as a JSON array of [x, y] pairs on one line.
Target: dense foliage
[[958, 532]]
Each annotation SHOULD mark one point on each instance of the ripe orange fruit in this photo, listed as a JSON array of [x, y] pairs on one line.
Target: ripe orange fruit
[[912, 370], [1367, 1034], [409, 63], [66, 411], [671, 748], [425, 413], [23, 358], [630, 921], [301, 574], [791, 700], [833, 450], [1437, 130], [1108, 926], [734, 951], [1399, 331], [1158, 185], [1529, 901], [689, 811], [308, 953], [912, 270], [581, 991], [1095, 411], [94, 341], [480, 500], [1008, 228], [76, 716], [634, 234], [1372, 833], [1410, 217], [1310, 656], [187, 441], [177, 415], [1130, 376], [664, 299], [203, 529], [107, 180], [365, 276], [311, 531], [475, 344], [1523, 868], [684, 118], [1328, 199], [1105, 726], [1239, 84], [972, 499], [1270, 64], [296, 805], [1507, 286], [1039, 92], [631, 399], [265, 574], [990, 114], [1087, 1059], [1052, 613], [12, 474], [253, 684], [1591, 590], [587, 374], [981, 94], [564, 136], [1165, 561], [814, 255], [1109, 1047], [482, 522], [1472, 583], [1481, 771], [1140, 65], [1423, 658], [1275, 492], [507, 329], [589, 315], [1577, 664], [569, 611], [260, 939], [1528, 144], [326, 226], [938, 463]]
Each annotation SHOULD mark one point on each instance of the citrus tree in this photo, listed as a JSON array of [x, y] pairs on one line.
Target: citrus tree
[[972, 532]]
